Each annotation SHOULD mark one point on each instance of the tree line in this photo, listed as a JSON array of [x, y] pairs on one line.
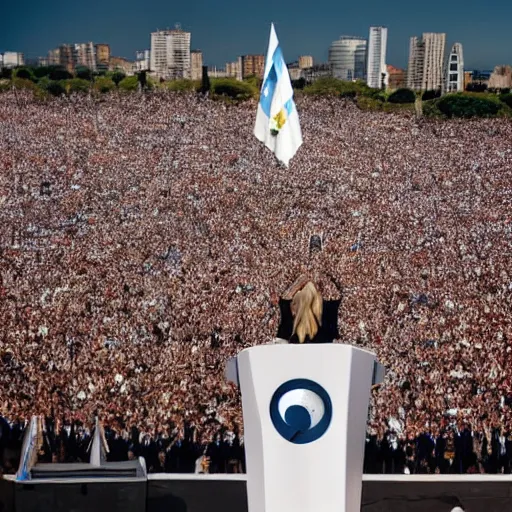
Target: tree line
[[56, 81]]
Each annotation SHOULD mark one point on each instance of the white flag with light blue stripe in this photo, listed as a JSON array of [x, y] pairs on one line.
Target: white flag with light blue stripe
[[277, 120]]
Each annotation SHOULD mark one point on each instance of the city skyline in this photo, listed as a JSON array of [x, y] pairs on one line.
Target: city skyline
[[227, 30]]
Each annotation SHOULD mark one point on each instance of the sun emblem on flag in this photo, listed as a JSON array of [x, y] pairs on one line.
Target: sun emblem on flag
[[277, 122]]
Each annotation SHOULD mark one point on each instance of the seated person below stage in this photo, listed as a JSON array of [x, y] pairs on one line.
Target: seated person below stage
[[306, 317]]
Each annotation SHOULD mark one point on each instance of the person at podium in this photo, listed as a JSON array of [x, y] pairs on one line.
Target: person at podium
[[305, 316]]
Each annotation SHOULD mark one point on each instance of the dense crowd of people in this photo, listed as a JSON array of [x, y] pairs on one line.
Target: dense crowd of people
[[145, 239]]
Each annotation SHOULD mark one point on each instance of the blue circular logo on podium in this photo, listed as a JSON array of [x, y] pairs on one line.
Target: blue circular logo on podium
[[301, 411]]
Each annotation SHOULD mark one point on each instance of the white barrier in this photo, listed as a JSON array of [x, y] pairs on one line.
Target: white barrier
[[432, 479]]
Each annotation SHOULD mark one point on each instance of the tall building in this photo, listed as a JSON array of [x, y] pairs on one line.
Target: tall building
[[305, 61], [11, 59], [501, 78], [170, 53], [102, 57], [142, 60], [416, 64], [234, 70], [377, 73], [85, 55], [54, 57], [455, 72], [426, 62], [347, 58], [196, 65], [252, 65], [158, 63], [67, 57]]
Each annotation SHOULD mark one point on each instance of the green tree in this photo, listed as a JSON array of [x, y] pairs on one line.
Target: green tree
[[5, 85], [465, 105], [43, 83], [507, 99], [362, 89], [431, 94], [23, 83], [83, 73], [430, 110], [402, 96], [25, 74], [369, 103], [6, 73], [118, 77], [76, 85], [42, 71], [254, 81], [234, 89], [329, 86], [326, 86], [128, 84], [183, 85], [103, 84], [59, 73], [56, 88]]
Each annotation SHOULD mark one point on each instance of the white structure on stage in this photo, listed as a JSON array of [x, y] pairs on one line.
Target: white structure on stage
[[305, 409]]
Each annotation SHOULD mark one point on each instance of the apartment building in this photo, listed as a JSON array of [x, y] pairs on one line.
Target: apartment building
[[85, 55], [102, 56], [11, 59], [170, 54], [426, 62], [142, 60], [305, 61], [196, 65], [234, 70], [455, 72], [252, 65], [376, 72]]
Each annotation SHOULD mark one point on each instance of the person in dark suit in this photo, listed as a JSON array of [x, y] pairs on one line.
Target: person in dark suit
[[425, 446], [496, 450], [440, 453], [306, 317], [464, 448], [371, 454]]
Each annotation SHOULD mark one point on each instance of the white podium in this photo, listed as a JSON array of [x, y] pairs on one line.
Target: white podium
[[305, 409]]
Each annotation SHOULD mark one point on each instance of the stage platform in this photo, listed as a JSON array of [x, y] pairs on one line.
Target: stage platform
[[227, 493], [128, 469]]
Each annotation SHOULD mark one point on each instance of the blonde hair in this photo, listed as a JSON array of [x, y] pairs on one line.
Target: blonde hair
[[307, 306]]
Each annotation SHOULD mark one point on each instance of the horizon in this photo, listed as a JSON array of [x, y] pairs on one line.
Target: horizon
[[223, 33]]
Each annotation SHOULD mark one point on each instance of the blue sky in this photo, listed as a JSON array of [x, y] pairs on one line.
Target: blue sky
[[224, 29]]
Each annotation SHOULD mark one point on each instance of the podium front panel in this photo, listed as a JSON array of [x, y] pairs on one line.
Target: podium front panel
[[305, 409]]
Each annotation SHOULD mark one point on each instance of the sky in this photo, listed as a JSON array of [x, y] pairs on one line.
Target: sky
[[224, 29]]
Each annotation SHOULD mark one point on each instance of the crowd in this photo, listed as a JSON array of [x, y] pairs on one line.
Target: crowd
[[145, 239]]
